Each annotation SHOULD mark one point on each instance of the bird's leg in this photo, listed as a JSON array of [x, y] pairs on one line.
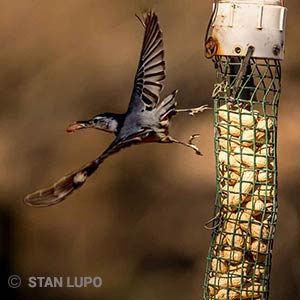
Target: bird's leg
[[194, 111], [169, 139]]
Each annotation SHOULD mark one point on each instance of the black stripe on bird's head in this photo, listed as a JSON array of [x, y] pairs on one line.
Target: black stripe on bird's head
[[108, 122]]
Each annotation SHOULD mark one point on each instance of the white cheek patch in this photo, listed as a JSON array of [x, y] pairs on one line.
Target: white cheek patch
[[113, 124], [79, 178]]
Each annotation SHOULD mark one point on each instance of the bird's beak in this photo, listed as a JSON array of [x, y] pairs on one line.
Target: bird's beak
[[78, 125]]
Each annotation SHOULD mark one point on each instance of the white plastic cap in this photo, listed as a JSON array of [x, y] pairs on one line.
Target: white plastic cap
[[239, 24]]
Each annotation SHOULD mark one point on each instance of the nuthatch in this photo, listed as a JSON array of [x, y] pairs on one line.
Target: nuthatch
[[146, 119]]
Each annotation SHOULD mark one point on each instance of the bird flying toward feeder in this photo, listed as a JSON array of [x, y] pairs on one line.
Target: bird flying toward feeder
[[146, 120]]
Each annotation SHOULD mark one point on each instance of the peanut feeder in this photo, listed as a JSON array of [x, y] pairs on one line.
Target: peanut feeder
[[246, 97]]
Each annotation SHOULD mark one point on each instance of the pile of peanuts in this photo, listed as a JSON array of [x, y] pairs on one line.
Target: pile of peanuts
[[239, 263]]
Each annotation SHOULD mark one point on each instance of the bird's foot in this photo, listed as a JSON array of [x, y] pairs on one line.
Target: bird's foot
[[193, 146], [169, 139], [194, 111]]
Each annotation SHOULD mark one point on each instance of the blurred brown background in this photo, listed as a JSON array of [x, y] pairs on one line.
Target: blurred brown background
[[138, 223]]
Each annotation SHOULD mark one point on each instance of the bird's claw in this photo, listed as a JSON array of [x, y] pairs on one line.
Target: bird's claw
[[193, 146], [194, 111], [197, 110]]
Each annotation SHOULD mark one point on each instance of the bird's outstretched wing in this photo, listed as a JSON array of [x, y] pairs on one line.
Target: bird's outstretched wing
[[151, 68], [61, 189]]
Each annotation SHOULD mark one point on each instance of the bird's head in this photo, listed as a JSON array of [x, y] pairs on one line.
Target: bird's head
[[107, 122]]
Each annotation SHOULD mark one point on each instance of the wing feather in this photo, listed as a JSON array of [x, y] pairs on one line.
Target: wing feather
[[151, 69], [147, 88]]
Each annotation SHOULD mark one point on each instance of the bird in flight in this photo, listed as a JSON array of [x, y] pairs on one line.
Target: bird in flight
[[145, 121]]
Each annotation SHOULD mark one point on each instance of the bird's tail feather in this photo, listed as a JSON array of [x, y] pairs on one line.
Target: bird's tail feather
[[65, 186], [62, 188]]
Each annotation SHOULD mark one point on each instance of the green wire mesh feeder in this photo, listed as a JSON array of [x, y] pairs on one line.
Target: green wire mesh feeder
[[246, 97]]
